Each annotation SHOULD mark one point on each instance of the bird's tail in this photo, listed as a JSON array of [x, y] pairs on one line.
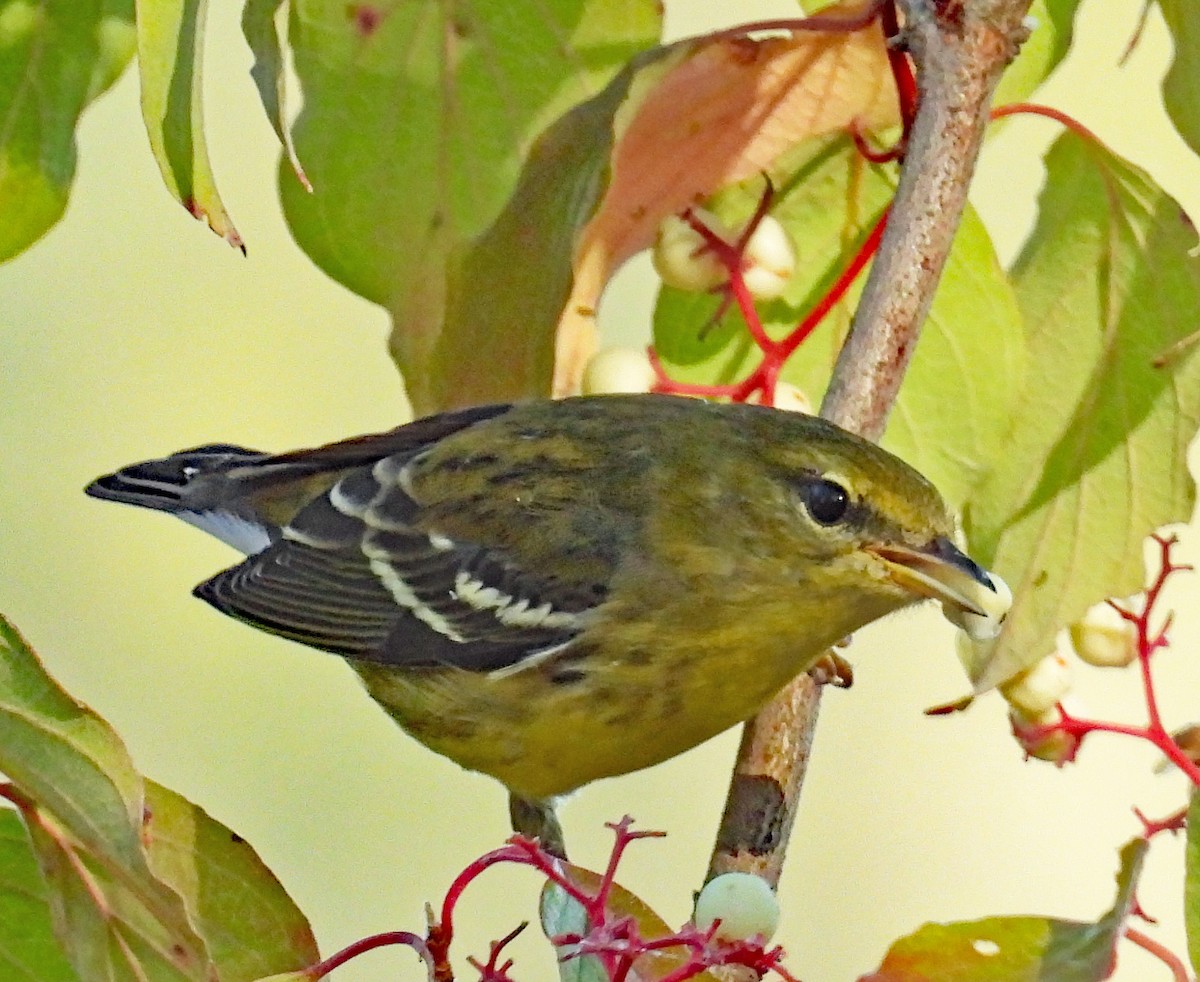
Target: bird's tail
[[195, 485], [168, 484]]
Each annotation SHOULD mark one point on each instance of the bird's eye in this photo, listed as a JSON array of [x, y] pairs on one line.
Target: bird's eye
[[827, 501]]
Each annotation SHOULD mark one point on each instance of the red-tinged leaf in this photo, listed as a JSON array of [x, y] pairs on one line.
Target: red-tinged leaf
[[1191, 886], [260, 26], [170, 42], [1017, 949], [1109, 294], [140, 883], [66, 758], [57, 56], [709, 113]]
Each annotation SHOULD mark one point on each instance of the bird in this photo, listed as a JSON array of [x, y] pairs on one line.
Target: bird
[[553, 592]]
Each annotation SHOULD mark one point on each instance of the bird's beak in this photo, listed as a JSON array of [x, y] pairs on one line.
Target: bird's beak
[[942, 571]]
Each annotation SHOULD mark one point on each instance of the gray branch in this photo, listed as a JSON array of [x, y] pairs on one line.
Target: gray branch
[[960, 48]]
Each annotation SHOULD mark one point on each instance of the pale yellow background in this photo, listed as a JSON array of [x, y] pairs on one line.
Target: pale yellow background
[[130, 332]]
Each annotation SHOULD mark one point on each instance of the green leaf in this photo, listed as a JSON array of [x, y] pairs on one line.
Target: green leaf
[[417, 121], [970, 355], [28, 948], [506, 290], [958, 396], [65, 758], [1017, 949], [249, 924], [56, 56], [1041, 53], [561, 914], [259, 26], [115, 922], [1181, 84], [1191, 886], [170, 42], [1097, 462], [141, 884]]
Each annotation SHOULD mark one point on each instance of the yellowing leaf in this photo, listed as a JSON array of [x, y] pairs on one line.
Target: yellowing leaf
[[170, 42], [1017, 949], [259, 26], [248, 923]]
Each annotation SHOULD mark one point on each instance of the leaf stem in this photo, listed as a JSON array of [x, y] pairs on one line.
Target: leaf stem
[[1179, 971], [1049, 112]]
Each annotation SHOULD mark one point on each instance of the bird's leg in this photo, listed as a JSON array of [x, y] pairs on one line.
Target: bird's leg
[[832, 669], [535, 818]]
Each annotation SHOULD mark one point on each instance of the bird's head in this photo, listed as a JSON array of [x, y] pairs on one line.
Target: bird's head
[[864, 527]]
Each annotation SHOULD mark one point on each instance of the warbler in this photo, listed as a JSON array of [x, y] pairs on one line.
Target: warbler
[[558, 591]]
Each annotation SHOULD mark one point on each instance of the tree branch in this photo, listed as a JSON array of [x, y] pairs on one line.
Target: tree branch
[[960, 48]]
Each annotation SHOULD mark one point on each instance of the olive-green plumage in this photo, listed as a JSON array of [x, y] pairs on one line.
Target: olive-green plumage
[[562, 591]]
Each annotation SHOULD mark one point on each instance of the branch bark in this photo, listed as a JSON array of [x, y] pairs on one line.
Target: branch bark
[[960, 49]]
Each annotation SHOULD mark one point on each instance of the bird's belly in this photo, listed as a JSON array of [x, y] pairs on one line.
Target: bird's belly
[[541, 738]]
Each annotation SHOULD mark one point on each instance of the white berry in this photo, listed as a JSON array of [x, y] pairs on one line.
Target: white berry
[[743, 903], [682, 257], [769, 259], [1104, 638], [995, 605], [787, 396], [1040, 688], [612, 370], [1038, 738]]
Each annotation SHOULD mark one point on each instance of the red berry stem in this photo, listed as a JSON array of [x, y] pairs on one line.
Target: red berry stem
[[363, 945], [491, 971], [1175, 822], [1148, 640], [765, 377], [1178, 970], [902, 74], [1036, 109]]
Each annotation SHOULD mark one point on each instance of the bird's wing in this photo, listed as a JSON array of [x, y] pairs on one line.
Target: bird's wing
[[358, 451], [359, 572]]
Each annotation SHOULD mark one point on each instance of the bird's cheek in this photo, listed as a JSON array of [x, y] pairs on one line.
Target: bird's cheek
[[871, 573]]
